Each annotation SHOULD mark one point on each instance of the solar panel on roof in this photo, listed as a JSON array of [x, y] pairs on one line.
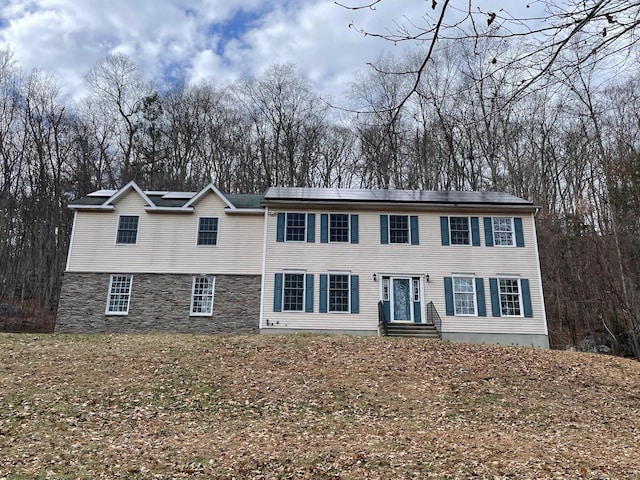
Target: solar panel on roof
[[391, 196]]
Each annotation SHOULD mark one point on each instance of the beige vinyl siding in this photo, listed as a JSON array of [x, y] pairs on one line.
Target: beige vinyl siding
[[167, 242], [429, 257]]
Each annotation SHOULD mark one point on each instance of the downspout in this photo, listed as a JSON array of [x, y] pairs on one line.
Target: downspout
[[73, 234], [264, 266]]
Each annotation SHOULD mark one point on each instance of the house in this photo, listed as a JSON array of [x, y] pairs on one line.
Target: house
[[305, 260]]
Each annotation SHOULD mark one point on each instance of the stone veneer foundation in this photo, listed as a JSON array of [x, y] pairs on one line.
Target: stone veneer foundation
[[159, 303]]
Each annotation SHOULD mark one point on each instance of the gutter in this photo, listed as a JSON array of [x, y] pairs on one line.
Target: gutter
[[299, 203]]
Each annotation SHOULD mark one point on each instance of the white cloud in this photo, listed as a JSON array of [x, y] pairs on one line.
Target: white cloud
[[222, 39]]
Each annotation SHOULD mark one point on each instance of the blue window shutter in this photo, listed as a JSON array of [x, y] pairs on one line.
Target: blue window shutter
[[444, 231], [482, 306], [355, 294], [495, 297], [526, 297], [354, 229], [280, 231], [415, 240], [277, 294], [488, 231], [323, 294], [384, 229], [308, 292], [311, 227], [517, 222], [475, 232], [448, 294], [324, 228]]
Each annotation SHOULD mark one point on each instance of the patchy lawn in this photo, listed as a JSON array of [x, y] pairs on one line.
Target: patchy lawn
[[167, 406]]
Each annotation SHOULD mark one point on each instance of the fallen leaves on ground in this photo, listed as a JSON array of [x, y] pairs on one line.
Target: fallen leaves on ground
[[311, 406]]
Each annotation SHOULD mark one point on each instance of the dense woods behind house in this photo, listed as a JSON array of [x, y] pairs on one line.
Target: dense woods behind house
[[571, 145]]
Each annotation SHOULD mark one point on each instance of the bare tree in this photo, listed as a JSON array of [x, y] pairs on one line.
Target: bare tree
[[119, 93], [544, 28]]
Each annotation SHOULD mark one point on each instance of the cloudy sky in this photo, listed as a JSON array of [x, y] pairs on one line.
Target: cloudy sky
[[197, 39]]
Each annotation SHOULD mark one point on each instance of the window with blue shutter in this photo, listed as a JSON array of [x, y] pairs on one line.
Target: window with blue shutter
[[339, 228], [510, 297]]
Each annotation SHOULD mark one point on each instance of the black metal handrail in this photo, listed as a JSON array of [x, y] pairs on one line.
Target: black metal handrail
[[434, 318], [382, 318]]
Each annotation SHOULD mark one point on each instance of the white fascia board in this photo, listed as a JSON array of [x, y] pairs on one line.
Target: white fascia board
[[125, 189], [107, 208], [207, 189], [169, 209]]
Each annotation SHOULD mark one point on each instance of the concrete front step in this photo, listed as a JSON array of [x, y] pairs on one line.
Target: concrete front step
[[418, 330]]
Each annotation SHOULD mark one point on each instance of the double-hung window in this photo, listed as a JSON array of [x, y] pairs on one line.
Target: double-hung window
[[208, 231], [119, 295], [293, 292], [202, 296], [398, 229], [295, 227], [127, 230], [339, 227], [464, 295], [459, 231], [339, 293], [503, 233], [510, 297]]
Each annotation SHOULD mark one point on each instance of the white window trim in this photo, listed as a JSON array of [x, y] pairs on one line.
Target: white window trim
[[106, 309], [213, 291], [451, 244], [217, 232], [286, 226], [513, 233], [115, 240], [474, 293], [348, 228], [304, 288], [409, 239], [386, 289], [339, 312], [520, 300]]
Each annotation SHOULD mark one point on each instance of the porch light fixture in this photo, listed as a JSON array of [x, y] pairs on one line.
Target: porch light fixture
[[375, 277], [427, 278]]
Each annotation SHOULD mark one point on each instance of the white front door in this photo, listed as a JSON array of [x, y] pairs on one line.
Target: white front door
[[402, 298]]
